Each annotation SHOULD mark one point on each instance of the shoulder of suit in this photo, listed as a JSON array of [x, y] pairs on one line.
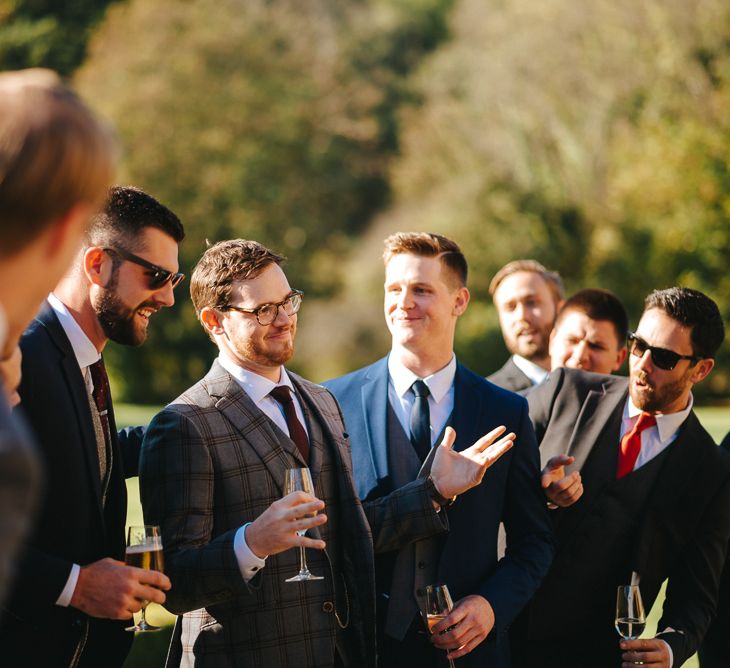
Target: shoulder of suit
[[354, 378]]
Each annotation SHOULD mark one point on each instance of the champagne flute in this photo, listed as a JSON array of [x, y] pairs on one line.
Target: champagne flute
[[437, 605], [144, 550], [630, 618], [300, 480]]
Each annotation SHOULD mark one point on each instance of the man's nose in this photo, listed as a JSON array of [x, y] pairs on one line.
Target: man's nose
[[165, 296]]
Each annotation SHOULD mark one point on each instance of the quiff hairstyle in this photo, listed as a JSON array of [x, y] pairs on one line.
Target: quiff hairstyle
[[598, 304], [551, 278], [695, 310], [222, 265], [428, 244], [54, 154]]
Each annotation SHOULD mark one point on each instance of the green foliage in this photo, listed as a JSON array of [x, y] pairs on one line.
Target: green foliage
[[268, 120], [47, 33]]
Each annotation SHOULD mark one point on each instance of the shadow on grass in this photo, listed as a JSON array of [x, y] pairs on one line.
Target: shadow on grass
[[149, 650]]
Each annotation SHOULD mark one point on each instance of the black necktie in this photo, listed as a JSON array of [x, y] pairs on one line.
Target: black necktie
[[296, 431], [421, 420]]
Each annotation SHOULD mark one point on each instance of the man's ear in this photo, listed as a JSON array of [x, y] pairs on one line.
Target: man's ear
[[702, 370], [98, 266], [620, 358], [461, 301], [211, 320]]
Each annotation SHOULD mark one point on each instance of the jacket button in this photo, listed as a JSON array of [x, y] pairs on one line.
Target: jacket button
[[422, 565], [327, 606]]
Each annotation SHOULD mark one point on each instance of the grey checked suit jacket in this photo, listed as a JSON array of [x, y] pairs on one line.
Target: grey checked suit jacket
[[212, 461]]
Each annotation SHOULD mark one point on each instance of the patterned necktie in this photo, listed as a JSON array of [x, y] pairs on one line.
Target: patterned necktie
[[296, 431], [420, 420], [631, 445], [100, 395]]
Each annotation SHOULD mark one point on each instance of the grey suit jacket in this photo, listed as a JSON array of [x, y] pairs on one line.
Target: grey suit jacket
[[212, 461], [510, 377], [19, 481]]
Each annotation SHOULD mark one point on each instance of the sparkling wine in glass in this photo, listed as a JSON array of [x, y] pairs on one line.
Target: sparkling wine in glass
[[630, 618], [437, 605], [300, 480], [144, 550]]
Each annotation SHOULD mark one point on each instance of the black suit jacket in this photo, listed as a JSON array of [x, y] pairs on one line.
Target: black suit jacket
[[715, 650], [510, 492], [683, 527], [510, 377], [73, 526]]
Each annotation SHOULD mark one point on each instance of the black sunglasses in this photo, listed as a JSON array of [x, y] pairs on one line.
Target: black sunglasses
[[663, 358], [158, 276]]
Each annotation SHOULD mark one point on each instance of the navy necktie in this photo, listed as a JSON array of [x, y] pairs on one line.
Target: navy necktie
[[420, 420]]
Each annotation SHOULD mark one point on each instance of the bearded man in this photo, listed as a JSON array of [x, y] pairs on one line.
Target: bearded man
[[646, 496], [73, 592]]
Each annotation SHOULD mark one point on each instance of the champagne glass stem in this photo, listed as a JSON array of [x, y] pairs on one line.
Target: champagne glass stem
[[303, 568], [142, 619]]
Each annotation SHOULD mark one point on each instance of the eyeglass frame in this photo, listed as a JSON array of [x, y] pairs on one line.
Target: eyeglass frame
[[279, 305], [173, 277], [634, 340]]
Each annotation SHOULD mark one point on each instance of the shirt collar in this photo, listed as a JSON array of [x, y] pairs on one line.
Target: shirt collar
[[534, 372], [438, 383], [667, 425], [84, 350], [254, 385]]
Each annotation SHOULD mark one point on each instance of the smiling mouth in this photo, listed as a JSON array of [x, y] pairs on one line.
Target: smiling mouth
[[146, 312]]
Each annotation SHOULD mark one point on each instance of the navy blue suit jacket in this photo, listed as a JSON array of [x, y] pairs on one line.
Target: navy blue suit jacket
[[509, 493], [72, 525]]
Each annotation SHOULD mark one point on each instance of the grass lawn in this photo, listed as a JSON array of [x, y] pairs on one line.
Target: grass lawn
[[149, 650]]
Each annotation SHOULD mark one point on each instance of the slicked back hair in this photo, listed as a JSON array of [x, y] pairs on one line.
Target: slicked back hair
[[598, 304], [54, 154], [427, 244], [693, 309], [552, 278], [126, 213], [222, 265]]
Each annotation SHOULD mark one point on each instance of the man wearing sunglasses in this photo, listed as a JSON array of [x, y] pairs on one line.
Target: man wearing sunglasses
[[75, 596], [647, 492]]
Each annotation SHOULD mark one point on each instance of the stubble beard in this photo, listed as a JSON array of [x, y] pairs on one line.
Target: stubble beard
[[651, 400], [117, 320]]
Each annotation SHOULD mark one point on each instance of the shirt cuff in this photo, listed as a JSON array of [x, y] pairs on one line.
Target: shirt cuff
[[248, 563], [64, 599]]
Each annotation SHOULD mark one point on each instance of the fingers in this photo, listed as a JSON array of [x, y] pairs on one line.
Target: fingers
[[558, 461], [566, 491], [145, 593], [647, 651], [493, 452], [449, 438], [485, 441]]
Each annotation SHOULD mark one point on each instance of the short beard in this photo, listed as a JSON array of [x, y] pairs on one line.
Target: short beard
[[655, 401], [116, 319]]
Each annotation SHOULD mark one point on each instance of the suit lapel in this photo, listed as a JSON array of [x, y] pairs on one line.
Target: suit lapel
[[370, 459], [80, 399], [256, 429], [589, 428]]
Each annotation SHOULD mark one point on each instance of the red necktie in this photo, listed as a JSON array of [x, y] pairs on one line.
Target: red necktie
[[296, 431], [631, 444]]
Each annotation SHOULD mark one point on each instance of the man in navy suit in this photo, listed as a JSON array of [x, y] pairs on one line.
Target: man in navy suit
[[395, 411], [74, 597]]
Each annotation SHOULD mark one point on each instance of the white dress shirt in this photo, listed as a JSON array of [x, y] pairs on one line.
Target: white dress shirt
[[534, 372], [258, 388], [86, 354], [440, 399]]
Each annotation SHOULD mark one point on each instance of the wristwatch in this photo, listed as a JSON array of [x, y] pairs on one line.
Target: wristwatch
[[442, 501]]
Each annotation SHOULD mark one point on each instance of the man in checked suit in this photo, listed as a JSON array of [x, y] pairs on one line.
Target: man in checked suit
[[212, 475], [384, 405], [56, 161], [647, 492], [74, 596]]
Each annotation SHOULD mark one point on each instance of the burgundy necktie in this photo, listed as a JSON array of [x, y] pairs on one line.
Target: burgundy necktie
[[297, 434], [100, 395], [631, 444]]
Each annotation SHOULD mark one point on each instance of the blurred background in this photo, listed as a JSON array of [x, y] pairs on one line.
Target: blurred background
[[594, 137]]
